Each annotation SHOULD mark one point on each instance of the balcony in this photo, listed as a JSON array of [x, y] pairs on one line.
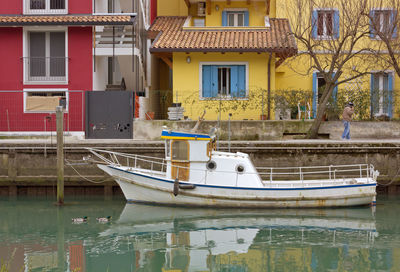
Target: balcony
[[116, 40], [45, 7], [45, 69]]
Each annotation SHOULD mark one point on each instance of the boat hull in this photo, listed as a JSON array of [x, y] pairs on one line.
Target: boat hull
[[138, 187]]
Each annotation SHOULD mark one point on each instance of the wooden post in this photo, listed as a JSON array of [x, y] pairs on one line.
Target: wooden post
[[60, 155]]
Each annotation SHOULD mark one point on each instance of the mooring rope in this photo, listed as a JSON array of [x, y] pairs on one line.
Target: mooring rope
[[391, 181], [79, 174]]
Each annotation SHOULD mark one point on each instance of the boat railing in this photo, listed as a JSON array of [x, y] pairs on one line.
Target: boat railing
[[158, 166], [331, 172]]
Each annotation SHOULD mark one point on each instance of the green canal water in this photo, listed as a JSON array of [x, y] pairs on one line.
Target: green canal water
[[35, 235]]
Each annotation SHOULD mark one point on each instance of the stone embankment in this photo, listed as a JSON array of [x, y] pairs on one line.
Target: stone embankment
[[28, 167]]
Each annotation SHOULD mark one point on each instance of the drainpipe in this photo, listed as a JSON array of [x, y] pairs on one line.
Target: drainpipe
[[269, 86]]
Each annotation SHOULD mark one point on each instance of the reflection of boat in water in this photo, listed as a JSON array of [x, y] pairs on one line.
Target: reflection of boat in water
[[196, 235], [193, 173], [146, 218]]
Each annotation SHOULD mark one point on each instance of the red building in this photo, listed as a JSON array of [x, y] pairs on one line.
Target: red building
[[47, 53]]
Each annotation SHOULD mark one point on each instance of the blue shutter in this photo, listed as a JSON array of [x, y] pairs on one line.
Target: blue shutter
[[394, 21], [335, 91], [224, 18], [246, 18], [214, 81], [336, 24], [206, 83], [374, 97], [234, 81], [390, 94], [314, 24], [242, 80], [315, 94], [371, 25]]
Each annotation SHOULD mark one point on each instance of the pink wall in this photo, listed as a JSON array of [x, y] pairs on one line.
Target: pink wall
[[80, 73], [74, 6], [11, 7], [80, 6], [10, 56]]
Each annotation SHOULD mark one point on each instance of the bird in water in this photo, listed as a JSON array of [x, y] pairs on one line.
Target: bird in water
[[103, 219], [80, 219]]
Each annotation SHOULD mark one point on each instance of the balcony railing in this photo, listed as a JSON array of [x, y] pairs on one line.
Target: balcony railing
[[120, 36], [45, 69], [46, 6]]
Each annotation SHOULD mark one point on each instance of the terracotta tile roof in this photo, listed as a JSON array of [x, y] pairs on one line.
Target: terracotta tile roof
[[21, 20], [173, 38]]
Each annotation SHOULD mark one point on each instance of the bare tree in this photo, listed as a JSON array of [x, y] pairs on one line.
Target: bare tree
[[334, 36], [384, 18]]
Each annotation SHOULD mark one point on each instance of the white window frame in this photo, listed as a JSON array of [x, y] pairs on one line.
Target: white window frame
[[46, 10], [376, 37], [26, 91], [235, 18], [25, 42], [325, 27], [235, 10], [224, 97]]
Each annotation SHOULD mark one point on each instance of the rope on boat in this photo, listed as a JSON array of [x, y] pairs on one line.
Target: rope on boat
[[391, 181], [79, 174]]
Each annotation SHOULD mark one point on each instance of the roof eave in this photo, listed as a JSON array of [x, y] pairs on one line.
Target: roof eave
[[286, 51]]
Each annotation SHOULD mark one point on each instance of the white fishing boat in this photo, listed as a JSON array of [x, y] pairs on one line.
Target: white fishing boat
[[194, 173]]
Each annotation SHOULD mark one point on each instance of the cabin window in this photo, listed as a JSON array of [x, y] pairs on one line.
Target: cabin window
[[180, 150], [240, 169], [211, 165]]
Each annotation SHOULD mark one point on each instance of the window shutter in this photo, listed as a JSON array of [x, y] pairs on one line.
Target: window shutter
[[374, 97], [315, 94], [314, 25], [214, 81], [335, 91], [336, 24], [238, 81], [242, 81], [246, 18], [390, 94], [394, 20], [371, 24], [224, 18], [234, 81], [206, 86]]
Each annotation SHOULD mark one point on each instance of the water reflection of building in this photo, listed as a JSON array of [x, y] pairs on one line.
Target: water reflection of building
[[146, 238]]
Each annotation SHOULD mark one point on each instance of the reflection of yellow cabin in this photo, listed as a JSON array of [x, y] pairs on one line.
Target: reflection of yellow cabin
[[178, 256]]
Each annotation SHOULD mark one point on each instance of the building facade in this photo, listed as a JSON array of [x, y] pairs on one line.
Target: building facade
[[238, 57], [60, 49], [220, 56]]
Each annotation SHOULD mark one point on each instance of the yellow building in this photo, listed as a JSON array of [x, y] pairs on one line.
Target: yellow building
[[222, 55], [233, 56]]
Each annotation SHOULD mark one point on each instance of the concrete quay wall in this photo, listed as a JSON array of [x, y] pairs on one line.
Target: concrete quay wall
[[30, 168], [272, 130]]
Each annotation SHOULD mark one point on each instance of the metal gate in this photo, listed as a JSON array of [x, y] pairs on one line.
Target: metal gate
[[109, 115]]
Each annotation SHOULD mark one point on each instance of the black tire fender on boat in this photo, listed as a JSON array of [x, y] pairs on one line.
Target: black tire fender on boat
[[187, 186], [176, 187]]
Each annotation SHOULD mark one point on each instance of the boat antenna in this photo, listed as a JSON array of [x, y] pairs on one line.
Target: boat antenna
[[201, 119]]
